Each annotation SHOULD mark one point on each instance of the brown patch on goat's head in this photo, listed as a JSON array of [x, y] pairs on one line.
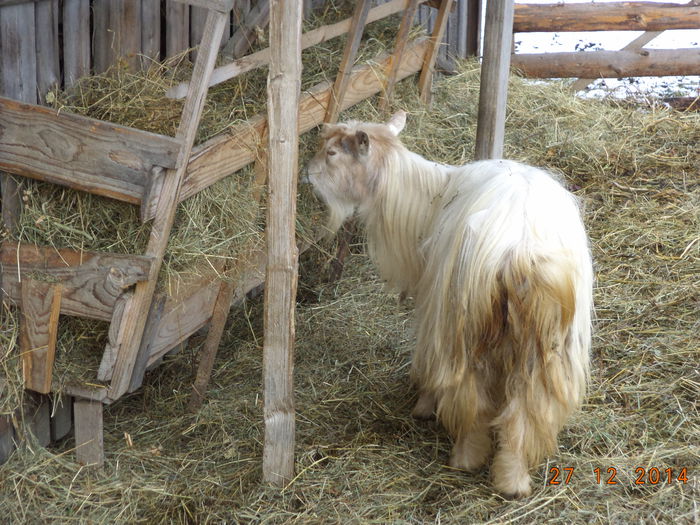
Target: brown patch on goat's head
[[346, 168]]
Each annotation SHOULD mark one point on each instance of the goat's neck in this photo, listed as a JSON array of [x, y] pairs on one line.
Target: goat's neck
[[400, 214]]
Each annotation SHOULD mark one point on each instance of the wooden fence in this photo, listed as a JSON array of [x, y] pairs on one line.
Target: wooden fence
[[631, 61]]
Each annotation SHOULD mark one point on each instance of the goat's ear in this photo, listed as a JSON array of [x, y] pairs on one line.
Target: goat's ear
[[397, 122], [362, 142]]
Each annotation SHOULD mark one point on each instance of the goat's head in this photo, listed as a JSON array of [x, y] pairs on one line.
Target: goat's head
[[345, 169]]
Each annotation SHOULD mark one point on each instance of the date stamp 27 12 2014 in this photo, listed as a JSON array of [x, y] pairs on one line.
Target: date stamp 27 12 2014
[[609, 475]]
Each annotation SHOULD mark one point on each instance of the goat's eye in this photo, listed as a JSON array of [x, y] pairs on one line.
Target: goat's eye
[[330, 152]]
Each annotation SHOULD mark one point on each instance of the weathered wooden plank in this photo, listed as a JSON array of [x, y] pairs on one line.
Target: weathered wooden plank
[[399, 48], [613, 16], [117, 32], [151, 193], [155, 314], [47, 48], [89, 433], [80, 152], [352, 44], [76, 40], [283, 90], [495, 68], [615, 64], [41, 305], [198, 17], [136, 312], [61, 416], [211, 344], [312, 38], [245, 34], [221, 156], [18, 57], [91, 282], [114, 338], [182, 316], [223, 6], [150, 29], [177, 35], [425, 82], [17, 80]]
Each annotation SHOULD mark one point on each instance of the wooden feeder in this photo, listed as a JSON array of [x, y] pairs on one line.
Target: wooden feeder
[[157, 172]]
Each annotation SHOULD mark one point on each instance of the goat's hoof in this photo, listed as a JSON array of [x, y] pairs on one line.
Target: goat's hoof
[[425, 408]]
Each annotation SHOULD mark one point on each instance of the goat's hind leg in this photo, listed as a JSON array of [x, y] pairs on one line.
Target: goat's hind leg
[[523, 440], [471, 450]]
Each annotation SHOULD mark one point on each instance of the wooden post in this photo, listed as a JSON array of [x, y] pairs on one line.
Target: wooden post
[[401, 40], [425, 82], [89, 436], [284, 86], [498, 39], [352, 44]]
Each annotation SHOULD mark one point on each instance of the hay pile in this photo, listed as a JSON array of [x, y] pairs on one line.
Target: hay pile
[[360, 457]]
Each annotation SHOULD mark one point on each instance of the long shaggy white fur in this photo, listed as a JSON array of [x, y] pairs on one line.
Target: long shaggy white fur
[[497, 258]]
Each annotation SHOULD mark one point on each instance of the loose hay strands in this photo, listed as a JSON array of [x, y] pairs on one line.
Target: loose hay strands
[[360, 457]]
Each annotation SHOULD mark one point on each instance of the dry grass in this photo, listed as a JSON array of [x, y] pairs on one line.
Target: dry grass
[[360, 457]]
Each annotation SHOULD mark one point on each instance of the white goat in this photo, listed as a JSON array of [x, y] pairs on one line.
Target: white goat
[[496, 256]]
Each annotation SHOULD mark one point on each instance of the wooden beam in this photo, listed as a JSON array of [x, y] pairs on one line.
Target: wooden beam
[[636, 45], [222, 6], [91, 282], [136, 311], [80, 152], [41, 304], [262, 58], [425, 82], [357, 26], [89, 433], [495, 69], [283, 90], [211, 344], [224, 155], [613, 16], [401, 40], [610, 64]]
